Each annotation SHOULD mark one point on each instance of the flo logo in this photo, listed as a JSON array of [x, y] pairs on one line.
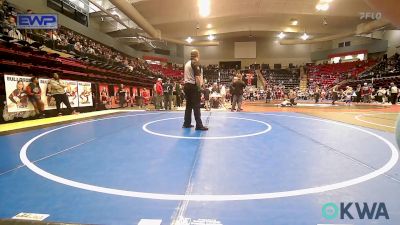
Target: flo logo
[[356, 210]]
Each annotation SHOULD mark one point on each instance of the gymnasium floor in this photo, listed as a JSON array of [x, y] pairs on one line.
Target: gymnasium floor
[[266, 166]]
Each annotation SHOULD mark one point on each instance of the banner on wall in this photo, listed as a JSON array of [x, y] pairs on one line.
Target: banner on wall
[[128, 96], [145, 93], [144, 90], [116, 97], [105, 98], [48, 100], [72, 92], [85, 94], [134, 92], [17, 99]]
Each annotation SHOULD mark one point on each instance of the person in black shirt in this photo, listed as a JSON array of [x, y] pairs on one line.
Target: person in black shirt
[[178, 93], [317, 94], [168, 90], [238, 86], [121, 96], [206, 93], [335, 92]]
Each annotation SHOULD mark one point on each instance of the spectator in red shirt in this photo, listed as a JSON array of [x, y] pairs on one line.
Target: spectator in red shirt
[[145, 96], [159, 94], [366, 93]]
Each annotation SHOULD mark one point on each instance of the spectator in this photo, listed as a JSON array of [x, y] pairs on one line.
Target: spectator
[[121, 96], [159, 94], [379, 94], [317, 94], [12, 31], [238, 86], [206, 94], [34, 95], [366, 93], [394, 93], [146, 97], [168, 91], [292, 97], [335, 92], [178, 91], [56, 88]]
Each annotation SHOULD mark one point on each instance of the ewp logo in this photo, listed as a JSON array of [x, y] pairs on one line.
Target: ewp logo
[[37, 21], [331, 211]]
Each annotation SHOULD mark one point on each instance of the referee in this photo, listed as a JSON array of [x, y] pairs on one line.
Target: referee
[[193, 82]]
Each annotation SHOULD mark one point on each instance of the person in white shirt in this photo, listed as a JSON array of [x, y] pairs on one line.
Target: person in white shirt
[[379, 95], [394, 91]]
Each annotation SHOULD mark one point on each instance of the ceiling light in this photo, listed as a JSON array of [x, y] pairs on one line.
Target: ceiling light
[[281, 35], [204, 8], [336, 59], [211, 37], [348, 57], [294, 22], [189, 40], [210, 32], [209, 26], [290, 30], [304, 36], [322, 6], [360, 56]]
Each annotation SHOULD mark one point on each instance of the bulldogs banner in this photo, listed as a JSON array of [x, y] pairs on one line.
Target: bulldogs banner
[[105, 98], [72, 92], [85, 94], [17, 98], [116, 96], [48, 100]]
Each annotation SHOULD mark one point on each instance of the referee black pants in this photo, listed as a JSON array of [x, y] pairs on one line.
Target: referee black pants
[[62, 98], [192, 102], [393, 98]]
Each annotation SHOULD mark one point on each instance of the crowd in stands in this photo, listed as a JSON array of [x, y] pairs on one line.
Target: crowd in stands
[[380, 79], [365, 93], [387, 67], [84, 48], [330, 74], [212, 73], [287, 78], [377, 84], [171, 71]]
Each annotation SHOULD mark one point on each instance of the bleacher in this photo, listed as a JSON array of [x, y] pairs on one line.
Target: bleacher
[[167, 71], [70, 53], [21, 59], [380, 75], [328, 74], [290, 78], [385, 68], [223, 76]]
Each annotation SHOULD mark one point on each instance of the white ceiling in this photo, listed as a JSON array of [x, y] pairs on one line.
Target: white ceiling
[[239, 18]]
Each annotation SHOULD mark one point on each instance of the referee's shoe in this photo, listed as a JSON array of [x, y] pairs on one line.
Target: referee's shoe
[[202, 128]]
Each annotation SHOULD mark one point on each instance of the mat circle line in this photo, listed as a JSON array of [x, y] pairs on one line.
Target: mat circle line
[[358, 117], [197, 197], [147, 130]]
